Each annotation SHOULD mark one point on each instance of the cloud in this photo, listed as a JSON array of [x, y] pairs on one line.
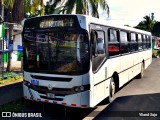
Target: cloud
[[132, 12]]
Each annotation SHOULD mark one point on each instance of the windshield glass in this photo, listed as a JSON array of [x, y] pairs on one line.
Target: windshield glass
[[56, 51]]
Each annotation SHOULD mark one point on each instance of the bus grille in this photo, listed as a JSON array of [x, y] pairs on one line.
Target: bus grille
[[56, 91], [51, 78]]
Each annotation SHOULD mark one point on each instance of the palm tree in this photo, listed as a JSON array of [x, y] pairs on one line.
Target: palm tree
[[27, 8], [8, 5], [81, 6], [49, 9], [13, 10], [38, 6], [33, 8], [18, 11], [147, 24]]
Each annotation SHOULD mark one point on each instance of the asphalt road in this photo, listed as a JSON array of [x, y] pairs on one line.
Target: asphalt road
[[10, 93], [137, 100]]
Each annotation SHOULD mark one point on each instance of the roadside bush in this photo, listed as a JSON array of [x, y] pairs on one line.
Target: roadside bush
[[158, 52]]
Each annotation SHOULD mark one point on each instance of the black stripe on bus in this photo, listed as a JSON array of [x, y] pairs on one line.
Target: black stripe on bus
[[102, 81], [60, 79]]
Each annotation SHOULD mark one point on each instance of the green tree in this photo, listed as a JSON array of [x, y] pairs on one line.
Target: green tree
[[85, 7], [37, 7], [156, 29], [27, 8], [8, 5], [33, 8], [147, 24]]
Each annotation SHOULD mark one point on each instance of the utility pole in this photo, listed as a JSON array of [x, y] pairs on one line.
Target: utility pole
[[2, 39]]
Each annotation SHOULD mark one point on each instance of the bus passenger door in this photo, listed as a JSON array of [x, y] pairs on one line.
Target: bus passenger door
[[98, 67]]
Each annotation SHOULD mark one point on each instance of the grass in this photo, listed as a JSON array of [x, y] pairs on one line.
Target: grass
[[15, 106], [10, 77]]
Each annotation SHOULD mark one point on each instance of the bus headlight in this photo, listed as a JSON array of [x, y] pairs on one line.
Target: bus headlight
[[81, 88], [28, 84]]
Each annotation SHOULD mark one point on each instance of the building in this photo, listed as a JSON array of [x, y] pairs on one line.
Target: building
[[15, 44]]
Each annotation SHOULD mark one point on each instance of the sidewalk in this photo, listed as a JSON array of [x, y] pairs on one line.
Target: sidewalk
[[15, 66]]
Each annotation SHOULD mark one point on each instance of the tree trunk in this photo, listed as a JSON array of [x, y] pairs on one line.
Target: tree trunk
[[18, 11], [10, 47]]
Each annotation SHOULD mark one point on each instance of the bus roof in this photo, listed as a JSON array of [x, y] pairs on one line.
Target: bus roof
[[113, 24], [97, 21]]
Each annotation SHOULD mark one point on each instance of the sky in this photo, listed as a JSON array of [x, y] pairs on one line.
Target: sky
[[131, 12]]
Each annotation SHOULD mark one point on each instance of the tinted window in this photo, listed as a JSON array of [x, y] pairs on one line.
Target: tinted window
[[100, 42], [113, 45], [140, 42], [123, 36], [148, 43], [133, 43], [133, 37], [113, 36], [99, 56], [124, 42], [144, 42], [56, 51]]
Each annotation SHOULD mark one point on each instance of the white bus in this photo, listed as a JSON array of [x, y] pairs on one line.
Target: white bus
[[78, 61]]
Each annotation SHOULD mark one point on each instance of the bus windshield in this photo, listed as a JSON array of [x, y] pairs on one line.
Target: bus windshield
[[56, 50]]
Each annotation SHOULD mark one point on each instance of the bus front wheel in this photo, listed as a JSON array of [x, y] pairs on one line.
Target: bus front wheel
[[112, 89]]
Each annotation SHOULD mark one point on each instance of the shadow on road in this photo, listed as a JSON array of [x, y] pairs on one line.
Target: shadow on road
[[56, 112], [133, 107]]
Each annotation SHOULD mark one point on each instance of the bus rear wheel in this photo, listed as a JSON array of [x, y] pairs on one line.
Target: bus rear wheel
[[112, 89]]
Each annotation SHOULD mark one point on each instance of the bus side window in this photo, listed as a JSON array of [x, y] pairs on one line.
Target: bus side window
[[98, 48], [139, 42], [133, 42], [124, 42], [113, 43], [144, 42], [98, 43], [148, 43]]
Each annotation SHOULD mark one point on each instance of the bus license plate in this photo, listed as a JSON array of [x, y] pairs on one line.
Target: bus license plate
[[34, 82], [50, 95]]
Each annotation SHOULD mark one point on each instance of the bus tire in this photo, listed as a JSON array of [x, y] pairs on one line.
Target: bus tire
[[112, 89], [141, 74]]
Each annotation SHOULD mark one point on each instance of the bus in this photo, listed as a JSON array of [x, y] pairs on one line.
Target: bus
[[78, 60]]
